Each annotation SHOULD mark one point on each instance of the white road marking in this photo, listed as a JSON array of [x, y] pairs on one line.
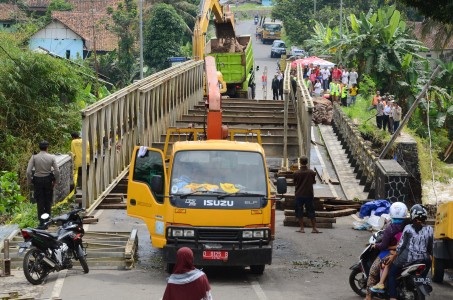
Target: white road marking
[[258, 290], [58, 284]]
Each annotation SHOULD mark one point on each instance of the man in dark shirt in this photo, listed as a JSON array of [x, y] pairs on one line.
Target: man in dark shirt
[[303, 181]]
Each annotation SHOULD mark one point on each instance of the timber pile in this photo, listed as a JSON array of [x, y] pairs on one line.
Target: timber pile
[[326, 211], [323, 111]]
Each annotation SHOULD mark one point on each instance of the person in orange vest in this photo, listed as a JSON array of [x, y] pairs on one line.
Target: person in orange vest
[[375, 100]]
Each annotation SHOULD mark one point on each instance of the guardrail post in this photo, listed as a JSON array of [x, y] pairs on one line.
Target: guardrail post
[[6, 260]]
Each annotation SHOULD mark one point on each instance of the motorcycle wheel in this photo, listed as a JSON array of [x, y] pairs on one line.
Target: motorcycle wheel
[[35, 269], [82, 259], [418, 296], [358, 282]]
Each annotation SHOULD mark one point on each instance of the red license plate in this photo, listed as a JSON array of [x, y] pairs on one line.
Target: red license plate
[[215, 255]]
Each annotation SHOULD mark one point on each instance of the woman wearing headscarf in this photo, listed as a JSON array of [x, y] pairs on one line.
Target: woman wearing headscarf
[[186, 282]]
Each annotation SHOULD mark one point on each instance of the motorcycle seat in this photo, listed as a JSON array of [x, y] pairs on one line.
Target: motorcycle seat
[[52, 234]]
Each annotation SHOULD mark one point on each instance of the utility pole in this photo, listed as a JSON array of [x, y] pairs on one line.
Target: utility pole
[[314, 7], [141, 38]]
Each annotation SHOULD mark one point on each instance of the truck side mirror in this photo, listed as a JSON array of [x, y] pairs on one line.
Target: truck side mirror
[[281, 185], [156, 184]]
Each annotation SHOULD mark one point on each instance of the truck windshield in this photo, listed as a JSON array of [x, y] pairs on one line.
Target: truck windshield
[[272, 27], [218, 172]]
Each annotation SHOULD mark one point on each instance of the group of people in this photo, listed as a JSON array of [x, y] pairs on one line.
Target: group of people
[[401, 245], [388, 112], [338, 82]]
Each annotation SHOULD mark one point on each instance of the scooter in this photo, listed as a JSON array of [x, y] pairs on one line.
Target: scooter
[[410, 284]]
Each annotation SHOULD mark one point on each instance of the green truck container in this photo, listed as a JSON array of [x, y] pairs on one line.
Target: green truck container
[[236, 63]]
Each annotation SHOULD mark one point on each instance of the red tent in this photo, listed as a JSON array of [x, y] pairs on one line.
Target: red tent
[[312, 60]]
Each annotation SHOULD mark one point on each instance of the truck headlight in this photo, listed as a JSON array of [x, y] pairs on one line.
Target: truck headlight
[[258, 234], [247, 234], [177, 232], [189, 233]]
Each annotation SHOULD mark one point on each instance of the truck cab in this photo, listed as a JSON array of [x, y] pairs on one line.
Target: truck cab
[[212, 196]]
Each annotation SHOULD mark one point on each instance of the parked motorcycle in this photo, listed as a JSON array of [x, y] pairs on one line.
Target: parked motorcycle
[[410, 284], [52, 252], [256, 20]]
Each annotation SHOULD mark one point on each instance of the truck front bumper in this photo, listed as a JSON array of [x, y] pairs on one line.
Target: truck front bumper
[[247, 256]]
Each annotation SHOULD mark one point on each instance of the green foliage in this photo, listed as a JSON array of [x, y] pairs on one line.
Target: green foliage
[[125, 27], [59, 5], [26, 215], [367, 86], [162, 38], [440, 10], [10, 195]]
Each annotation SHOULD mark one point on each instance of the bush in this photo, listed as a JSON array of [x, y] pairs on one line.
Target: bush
[[10, 197]]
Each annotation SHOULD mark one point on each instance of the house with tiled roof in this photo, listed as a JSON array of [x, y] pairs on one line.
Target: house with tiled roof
[[76, 34], [10, 14], [435, 52]]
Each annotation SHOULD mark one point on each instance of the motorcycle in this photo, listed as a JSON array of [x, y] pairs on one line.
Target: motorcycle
[[47, 252], [256, 20], [410, 284]]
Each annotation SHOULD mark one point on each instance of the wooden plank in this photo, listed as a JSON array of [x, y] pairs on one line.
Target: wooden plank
[[337, 213], [112, 206], [318, 219], [307, 224]]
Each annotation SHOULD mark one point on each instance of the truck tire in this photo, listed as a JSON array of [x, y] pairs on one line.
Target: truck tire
[[438, 270], [257, 269]]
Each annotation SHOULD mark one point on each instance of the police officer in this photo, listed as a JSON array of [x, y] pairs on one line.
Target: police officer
[[45, 177]]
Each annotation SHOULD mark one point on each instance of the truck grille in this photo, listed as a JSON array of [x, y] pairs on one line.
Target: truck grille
[[218, 234]]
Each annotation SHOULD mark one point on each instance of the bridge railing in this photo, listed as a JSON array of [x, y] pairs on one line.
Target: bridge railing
[[136, 115], [303, 106]]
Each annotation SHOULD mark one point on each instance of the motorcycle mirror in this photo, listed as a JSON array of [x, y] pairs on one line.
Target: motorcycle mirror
[[45, 216]]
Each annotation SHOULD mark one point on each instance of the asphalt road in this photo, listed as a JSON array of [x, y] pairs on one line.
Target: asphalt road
[[305, 266]]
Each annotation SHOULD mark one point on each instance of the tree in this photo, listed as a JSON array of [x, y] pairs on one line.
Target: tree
[[378, 44], [162, 36], [439, 10], [40, 98], [125, 26]]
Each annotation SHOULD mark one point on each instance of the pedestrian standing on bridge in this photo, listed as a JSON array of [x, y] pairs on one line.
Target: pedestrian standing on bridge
[[186, 282], [46, 175], [304, 179], [275, 87], [76, 151]]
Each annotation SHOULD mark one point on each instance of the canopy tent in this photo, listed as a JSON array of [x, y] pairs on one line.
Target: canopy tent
[[312, 60]]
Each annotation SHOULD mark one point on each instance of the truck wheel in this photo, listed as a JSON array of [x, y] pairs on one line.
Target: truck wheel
[[438, 270], [257, 269], [169, 268]]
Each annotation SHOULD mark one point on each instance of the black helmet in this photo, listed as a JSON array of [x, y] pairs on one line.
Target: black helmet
[[418, 212]]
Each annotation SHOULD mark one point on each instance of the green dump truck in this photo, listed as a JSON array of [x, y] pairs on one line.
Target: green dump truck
[[234, 59]]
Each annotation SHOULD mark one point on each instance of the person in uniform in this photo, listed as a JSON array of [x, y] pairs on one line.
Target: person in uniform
[[46, 175]]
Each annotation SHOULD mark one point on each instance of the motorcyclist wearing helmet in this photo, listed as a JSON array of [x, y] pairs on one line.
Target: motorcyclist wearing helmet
[[415, 246], [390, 236]]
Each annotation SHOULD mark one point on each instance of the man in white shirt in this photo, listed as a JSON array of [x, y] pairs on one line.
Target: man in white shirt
[[353, 76], [325, 73]]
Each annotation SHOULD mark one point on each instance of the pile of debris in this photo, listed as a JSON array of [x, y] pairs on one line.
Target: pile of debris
[[227, 45], [323, 111]]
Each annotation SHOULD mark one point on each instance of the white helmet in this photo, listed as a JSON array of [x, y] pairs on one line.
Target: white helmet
[[398, 210]]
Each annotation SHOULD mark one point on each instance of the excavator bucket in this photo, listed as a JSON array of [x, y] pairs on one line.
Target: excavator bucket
[[225, 30]]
